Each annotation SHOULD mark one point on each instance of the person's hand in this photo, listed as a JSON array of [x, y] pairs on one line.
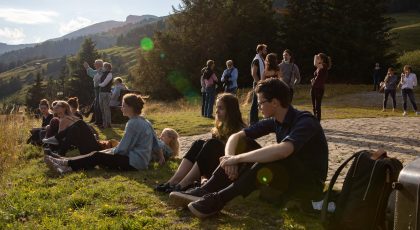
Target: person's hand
[[230, 165], [162, 161], [86, 65]]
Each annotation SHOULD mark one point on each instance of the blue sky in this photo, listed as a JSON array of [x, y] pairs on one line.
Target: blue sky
[[27, 21]]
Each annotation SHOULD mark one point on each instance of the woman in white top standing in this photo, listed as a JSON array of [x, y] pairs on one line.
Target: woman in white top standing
[[407, 83]]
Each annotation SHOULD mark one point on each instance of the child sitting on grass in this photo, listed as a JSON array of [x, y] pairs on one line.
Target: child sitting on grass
[[168, 142]]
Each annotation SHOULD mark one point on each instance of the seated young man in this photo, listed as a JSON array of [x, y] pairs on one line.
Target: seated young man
[[297, 164]]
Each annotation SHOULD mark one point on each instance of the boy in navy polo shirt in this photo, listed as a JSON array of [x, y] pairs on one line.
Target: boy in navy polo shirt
[[297, 164]]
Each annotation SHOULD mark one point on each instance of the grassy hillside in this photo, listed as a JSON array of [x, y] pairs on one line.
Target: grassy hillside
[[407, 28]]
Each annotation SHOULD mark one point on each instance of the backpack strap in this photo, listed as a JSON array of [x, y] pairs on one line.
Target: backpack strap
[[331, 185]]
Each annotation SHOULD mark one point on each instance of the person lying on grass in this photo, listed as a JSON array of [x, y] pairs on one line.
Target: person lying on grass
[[203, 156], [134, 152], [296, 165]]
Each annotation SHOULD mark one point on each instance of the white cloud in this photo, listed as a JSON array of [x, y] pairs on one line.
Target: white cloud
[[74, 24], [24, 16], [13, 36]]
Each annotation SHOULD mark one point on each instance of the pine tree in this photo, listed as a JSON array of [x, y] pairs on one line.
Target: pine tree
[[35, 93]]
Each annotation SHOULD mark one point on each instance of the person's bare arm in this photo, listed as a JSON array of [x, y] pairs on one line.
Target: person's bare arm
[[254, 72]]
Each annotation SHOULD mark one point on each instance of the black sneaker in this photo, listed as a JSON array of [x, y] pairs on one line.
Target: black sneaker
[[178, 188], [49, 152], [182, 199], [207, 206], [162, 187]]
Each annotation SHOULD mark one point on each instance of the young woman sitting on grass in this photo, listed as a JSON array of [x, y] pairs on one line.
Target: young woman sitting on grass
[[203, 156], [134, 152], [37, 134], [169, 144], [72, 132]]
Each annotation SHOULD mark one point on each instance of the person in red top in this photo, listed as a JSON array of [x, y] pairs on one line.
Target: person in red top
[[322, 62]]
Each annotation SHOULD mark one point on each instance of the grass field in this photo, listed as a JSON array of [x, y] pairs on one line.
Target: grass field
[[32, 197]]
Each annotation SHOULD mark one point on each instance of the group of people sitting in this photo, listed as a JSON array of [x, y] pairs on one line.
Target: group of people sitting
[[214, 171]]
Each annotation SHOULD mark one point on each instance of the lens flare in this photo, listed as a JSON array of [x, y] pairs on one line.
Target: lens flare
[[180, 82], [264, 176], [146, 44]]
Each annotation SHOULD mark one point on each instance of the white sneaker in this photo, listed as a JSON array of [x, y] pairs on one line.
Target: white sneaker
[[61, 169], [51, 141], [418, 113], [383, 110], [405, 113]]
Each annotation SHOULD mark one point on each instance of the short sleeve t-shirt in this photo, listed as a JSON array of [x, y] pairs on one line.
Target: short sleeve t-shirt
[[304, 131]]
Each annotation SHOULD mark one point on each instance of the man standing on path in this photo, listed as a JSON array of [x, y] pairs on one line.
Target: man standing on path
[[96, 75], [257, 70], [290, 71]]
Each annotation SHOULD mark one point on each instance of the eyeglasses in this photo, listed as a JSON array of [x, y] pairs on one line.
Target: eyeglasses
[[262, 102]]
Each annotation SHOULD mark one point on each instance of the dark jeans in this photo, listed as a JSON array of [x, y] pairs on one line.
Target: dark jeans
[[288, 176], [203, 104], [376, 82], [97, 108], [316, 96], [410, 94], [291, 94], [206, 154], [209, 103], [391, 92], [111, 161], [232, 90], [79, 135], [253, 113]]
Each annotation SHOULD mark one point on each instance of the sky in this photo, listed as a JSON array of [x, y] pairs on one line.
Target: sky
[[32, 21]]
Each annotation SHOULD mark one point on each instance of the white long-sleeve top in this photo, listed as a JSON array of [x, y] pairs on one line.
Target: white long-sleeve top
[[408, 82]]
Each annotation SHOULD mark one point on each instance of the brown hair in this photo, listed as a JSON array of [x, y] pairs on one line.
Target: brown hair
[[45, 103], [326, 60], [64, 105], [118, 79], [274, 88], [209, 63], [260, 47], [134, 101], [73, 102], [108, 66], [408, 67], [174, 144], [233, 121], [272, 62]]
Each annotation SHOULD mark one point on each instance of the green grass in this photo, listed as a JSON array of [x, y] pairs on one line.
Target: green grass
[[407, 28]]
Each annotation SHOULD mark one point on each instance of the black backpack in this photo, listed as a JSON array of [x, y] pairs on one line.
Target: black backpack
[[364, 197]]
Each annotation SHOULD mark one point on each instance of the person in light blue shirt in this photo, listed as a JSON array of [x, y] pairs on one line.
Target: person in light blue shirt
[[95, 74], [230, 78], [134, 151]]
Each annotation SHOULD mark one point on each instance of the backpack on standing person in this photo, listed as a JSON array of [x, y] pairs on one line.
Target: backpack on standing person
[[363, 199]]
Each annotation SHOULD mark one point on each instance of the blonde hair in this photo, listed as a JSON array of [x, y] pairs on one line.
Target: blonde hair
[[229, 63], [174, 143]]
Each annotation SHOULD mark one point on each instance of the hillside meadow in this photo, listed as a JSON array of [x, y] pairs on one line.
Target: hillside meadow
[[33, 197]]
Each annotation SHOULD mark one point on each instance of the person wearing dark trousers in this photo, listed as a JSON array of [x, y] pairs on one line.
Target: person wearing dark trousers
[[297, 165], [203, 156], [376, 77], [95, 74], [79, 135], [210, 81], [322, 62], [391, 81], [290, 71], [407, 83], [203, 93], [257, 71], [133, 152]]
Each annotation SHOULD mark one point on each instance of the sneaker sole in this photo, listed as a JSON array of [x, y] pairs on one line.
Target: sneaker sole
[[198, 213], [182, 200], [51, 165]]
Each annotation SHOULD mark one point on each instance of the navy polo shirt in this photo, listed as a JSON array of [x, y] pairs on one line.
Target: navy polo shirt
[[304, 131]]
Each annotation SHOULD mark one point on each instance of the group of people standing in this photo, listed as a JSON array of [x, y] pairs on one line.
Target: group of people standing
[[265, 66], [105, 95], [406, 82]]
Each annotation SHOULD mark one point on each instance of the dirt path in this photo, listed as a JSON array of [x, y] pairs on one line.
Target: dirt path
[[399, 136]]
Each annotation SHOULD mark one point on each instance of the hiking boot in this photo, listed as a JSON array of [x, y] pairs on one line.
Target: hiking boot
[[207, 206], [182, 199], [51, 141], [61, 169]]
